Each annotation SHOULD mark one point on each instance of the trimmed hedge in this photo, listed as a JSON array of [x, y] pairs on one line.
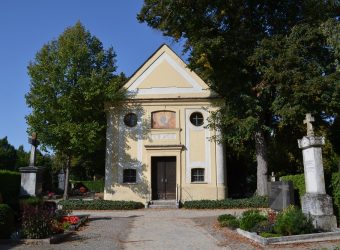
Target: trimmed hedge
[[253, 202], [298, 182], [94, 186], [100, 205], [9, 185], [6, 221]]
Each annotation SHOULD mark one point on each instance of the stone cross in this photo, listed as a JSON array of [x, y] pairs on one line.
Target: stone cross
[[33, 140], [309, 119]]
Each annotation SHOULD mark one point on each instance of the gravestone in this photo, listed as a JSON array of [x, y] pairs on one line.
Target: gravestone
[[281, 194], [31, 176], [61, 180], [315, 203]]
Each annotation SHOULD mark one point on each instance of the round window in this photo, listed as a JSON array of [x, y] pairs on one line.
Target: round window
[[130, 120], [197, 119]]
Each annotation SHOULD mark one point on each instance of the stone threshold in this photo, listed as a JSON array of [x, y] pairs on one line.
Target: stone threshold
[[302, 238]]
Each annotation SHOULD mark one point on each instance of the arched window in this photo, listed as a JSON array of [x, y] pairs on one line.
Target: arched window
[[197, 175], [163, 119]]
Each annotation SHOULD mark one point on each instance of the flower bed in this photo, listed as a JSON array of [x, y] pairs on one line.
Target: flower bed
[[259, 225]]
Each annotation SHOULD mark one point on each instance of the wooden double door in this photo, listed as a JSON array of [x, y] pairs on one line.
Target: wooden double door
[[163, 178]]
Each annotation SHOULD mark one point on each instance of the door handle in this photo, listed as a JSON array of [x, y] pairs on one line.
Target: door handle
[[165, 180], [162, 180]]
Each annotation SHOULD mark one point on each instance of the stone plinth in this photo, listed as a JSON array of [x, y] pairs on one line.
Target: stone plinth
[[31, 181], [320, 208]]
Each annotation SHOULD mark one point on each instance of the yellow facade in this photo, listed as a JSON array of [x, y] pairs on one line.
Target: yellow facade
[[178, 161]]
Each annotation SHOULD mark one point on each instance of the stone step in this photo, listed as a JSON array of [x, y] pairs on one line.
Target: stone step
[[163, 204]]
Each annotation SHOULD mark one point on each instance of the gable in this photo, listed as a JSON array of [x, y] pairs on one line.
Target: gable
[[165, 75]]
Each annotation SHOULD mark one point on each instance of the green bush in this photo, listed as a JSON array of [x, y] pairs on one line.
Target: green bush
[[94, 186], [250, 219], [9, 185], [30, 201], [225, 217], [37, 223], [298, 182], [269, 235], [292, 221], [100, 205], [232, 223], [335, 184], [253, 202], [6, 221]]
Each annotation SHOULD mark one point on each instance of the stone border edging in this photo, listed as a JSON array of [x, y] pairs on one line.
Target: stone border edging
[[290, 239]]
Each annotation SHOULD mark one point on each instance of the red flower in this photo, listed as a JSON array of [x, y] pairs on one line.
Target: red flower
[[71, 219]]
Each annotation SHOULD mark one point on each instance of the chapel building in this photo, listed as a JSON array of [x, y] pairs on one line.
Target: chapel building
[[158, 144]]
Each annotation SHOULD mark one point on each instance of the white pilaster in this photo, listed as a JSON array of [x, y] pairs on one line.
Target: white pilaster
[[220, 159]]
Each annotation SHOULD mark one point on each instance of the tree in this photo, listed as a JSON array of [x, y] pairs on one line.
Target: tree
[[7, 155], [22, 157], [226, 40], [71, 78]]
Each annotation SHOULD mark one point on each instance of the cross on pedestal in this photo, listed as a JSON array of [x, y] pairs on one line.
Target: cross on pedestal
[[33, 140], [309, 119]]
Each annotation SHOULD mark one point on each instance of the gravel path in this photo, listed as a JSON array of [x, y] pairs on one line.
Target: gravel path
[[160, 229]]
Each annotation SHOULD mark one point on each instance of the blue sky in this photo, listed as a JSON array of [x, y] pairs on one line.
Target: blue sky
[[26, 25]]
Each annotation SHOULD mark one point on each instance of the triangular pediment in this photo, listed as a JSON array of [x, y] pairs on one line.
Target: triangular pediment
[[164, 74]]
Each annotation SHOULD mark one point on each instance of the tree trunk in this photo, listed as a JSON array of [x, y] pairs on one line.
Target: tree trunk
[[262, 163], [65, 196]]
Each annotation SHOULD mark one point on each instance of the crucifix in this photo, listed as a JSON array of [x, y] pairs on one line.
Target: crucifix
[[309, 119], [33, 140]]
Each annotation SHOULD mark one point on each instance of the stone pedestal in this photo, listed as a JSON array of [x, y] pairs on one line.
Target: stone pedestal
[[316, 203], [31, 181]]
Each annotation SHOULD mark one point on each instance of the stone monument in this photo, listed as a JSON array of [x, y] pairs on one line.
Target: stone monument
[[31, 176], [315, 203]]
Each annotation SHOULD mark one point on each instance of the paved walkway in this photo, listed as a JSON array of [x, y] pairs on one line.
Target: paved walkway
[[159, 229]]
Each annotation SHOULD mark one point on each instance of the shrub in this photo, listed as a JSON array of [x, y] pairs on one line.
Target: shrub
[[100, 205], [30, 201], [225, 217], [250, 219], [94, 186], [269, 235], [6, 221], [335, 184], [253, 202], [9, 185], [292, 221], [298, 182], [232, 223], [37, 223]]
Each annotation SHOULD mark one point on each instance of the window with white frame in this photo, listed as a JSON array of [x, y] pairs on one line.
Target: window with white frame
[[197, 175]]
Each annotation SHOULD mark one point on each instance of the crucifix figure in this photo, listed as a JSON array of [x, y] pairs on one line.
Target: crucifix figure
[[309, 119], [33, 140]]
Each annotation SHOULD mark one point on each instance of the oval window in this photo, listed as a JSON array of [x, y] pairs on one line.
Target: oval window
[[130, 120], [196, 119]]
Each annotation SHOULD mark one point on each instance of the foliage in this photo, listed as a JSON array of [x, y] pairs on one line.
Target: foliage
[[298, 182], [225, 217], [250, 219], [71, 78], [7, 155], [292, 221], [253, 202], [94, 186], [37, 223], [31, 201], [269, 235], [228, 220], [100, 205], [9, 185], [270, 68], [6, 221], [335, 185]]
